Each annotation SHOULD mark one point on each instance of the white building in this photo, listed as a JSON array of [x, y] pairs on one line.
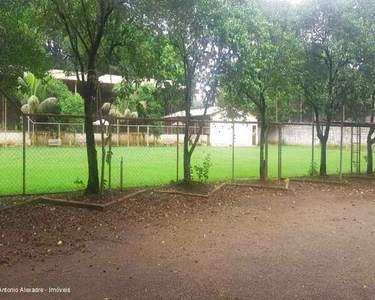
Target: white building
[[218, 130]]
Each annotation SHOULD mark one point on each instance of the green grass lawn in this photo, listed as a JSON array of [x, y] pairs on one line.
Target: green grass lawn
[[57, 169]]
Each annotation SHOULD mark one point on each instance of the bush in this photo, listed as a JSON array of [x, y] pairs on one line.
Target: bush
[[70, 103], [203, 170], [314, 169]]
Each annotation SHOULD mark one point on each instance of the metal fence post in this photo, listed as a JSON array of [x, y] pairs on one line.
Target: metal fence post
[[266, 167], [83, 135], [118, 133], [359, 149], [178, 150], [34, 135], [122, 173], [279, 169], [148, 135], [109, 155], [24, 155], [128, 136], [312, 145], [138, 136], [233, 140], [351, 149], [341, 139], [59, 134], [28, 127]]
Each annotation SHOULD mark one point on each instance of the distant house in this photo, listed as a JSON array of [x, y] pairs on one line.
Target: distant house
[[219, 133], [107, 83]]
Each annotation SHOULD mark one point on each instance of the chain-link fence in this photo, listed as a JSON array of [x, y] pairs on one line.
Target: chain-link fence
[[45, 154]]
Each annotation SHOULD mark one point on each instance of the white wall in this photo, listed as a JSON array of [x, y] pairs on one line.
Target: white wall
[[221, 134], [302, 135], [12, 138]]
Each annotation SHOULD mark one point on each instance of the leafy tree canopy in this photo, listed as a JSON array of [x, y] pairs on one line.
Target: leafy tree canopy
[[22, 43]]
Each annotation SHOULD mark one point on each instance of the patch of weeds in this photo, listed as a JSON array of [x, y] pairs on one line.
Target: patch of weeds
[[314, 169], [79, 183], [202, 171]]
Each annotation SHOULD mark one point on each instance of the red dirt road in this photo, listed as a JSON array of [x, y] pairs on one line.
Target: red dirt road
[[315, 242]]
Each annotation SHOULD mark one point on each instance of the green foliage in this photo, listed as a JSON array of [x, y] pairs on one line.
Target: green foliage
[[326, 72], [143, 101], [202, 171], [314, 169], [79, 184], [59, 98], [108, 157], [50, 105], [264, 40], [34, 106], [71, 104], [22, 43], [30, 85]]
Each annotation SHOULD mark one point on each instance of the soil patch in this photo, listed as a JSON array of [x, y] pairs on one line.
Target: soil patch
[[108, 196], [8, 202], [193, 188]]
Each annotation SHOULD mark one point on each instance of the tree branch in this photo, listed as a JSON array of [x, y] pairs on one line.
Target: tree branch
[[85, 13]]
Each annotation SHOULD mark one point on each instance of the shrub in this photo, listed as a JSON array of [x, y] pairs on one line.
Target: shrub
[[314, 169], [203, 170]]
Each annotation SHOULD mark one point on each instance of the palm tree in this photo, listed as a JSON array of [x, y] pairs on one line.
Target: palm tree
[[33, 90], [31, 86], [113, 111], [48, 106]]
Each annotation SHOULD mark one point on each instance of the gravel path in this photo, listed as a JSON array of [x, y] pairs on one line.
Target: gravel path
[[315, 242]]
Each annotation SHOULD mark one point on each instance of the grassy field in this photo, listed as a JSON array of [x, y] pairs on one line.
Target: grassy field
[[59, 169]]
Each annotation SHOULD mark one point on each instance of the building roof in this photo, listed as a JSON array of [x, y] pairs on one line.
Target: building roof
[[62, 75], [214, 112], [195, 112], [106, 78]]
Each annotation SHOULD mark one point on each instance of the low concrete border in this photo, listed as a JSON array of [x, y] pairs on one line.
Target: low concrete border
[[91, 206], [255, 186], [217, 188], [103, 207], [181, 193], [258, 186], [329, 182], [365, 177]]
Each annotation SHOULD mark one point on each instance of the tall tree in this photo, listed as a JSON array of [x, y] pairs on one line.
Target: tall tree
[[329, 37], [93, 30], [364, 13], [197, 31], [264, 43]]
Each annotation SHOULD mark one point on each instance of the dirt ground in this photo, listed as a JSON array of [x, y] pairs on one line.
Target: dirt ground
[[313, 242]]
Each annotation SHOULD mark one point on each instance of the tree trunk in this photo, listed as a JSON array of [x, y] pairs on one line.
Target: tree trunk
[[370, 142], [370, 161], [89, 94], [187, 156], [187, 165], [323, 156], [188, 100], [323, 138]]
